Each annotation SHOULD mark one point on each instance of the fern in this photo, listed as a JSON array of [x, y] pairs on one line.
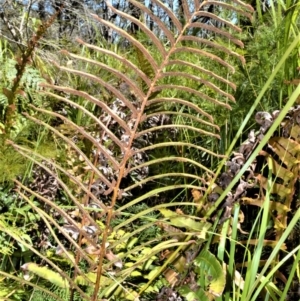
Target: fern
[[130, 131]]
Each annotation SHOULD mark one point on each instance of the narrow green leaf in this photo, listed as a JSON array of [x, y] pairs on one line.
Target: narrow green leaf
[[92, 277], [182, 221]]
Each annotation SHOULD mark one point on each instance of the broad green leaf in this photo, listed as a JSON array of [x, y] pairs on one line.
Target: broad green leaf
[[209, 267]]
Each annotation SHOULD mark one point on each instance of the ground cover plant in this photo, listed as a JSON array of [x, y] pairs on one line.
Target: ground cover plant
[[128, 177]]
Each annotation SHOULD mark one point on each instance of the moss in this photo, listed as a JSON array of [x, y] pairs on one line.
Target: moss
[[12, 164]]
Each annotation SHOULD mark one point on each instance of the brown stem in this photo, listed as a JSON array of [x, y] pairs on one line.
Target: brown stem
[[21, 65]]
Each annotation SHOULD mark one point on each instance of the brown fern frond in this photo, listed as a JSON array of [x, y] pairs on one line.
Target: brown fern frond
[[143, 112]]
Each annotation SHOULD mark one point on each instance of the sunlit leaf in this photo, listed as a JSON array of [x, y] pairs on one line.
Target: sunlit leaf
[[183, 221], [46, 273], [208, 265]]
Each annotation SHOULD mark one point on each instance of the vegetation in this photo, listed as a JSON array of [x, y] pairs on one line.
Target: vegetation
[[150, 150]]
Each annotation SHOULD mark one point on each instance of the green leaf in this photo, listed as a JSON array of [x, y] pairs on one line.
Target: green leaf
[[136, 274], [92, 277], [209, 267], [183, 221], [61, 257], [46, 273], [152, 273], [131, 243], [191, 295]]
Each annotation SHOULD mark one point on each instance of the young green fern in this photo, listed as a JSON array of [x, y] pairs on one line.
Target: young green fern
[[189, 71]]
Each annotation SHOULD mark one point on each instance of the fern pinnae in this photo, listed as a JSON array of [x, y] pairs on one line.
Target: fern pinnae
[[64, 214], [176, 126], [249, 9], [144, 28], [185, 115], [186, 11], [76, 148], [215, 45], [161, 25], [199, 80], [204, 53], [218, 31], [223, 21], [121, 59], [246, 6], [37, 159], [170, 14], [152, 193], [92, 99], [193, 92], [98, 80], [48, 219], [202, 70], [152, 209], [89, 114], [83, 132], [180, 101], [187, 144], [131, 39], [117, 73]]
